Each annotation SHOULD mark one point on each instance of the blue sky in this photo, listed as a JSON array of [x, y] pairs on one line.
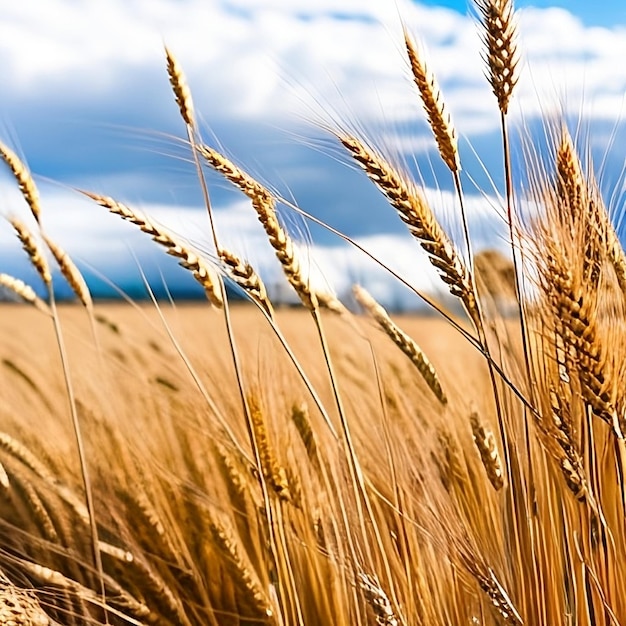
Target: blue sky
[[86, 101], [605, 13]]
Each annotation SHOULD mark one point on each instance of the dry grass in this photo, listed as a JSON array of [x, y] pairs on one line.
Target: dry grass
[[254, 465]]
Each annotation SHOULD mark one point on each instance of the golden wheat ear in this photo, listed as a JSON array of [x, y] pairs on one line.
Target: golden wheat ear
[[244, 275], [181, 90], [432, 99], [33, 250], [501, 55], [583, 205], [24, 291], [414, 211], [403, 341], [71, 273], [264, 204], [488, 450], [202, 271], [24, 179]]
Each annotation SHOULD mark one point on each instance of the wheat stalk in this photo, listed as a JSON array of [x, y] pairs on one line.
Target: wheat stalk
[[403, 341], [202, 271], [438, 117]]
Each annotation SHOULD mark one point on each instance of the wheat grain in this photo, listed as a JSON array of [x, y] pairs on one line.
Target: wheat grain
[[202, 271]]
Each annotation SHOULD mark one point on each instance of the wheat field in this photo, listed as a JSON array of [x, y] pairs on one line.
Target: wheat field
[[239, 463]]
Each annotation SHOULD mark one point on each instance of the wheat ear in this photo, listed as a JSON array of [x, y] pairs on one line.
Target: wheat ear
[[438, 117], [377, 599], [224, 539], [273, 471], [420, 220], [500, 39], [247, 278], [55, 578], [20, 607], [403, 341], [488, 450], [180, 88], [71, 273], [576, 323], [24, 179], [585, 206], [265, 207], [37, 511], [33, 249], [24, 291], [202, 271]]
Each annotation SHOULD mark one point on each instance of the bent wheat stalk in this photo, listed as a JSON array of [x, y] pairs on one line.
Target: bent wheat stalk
[[183, 99], [38, 260]]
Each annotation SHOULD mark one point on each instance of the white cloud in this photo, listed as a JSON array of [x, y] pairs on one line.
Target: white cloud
[[249, 57]]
